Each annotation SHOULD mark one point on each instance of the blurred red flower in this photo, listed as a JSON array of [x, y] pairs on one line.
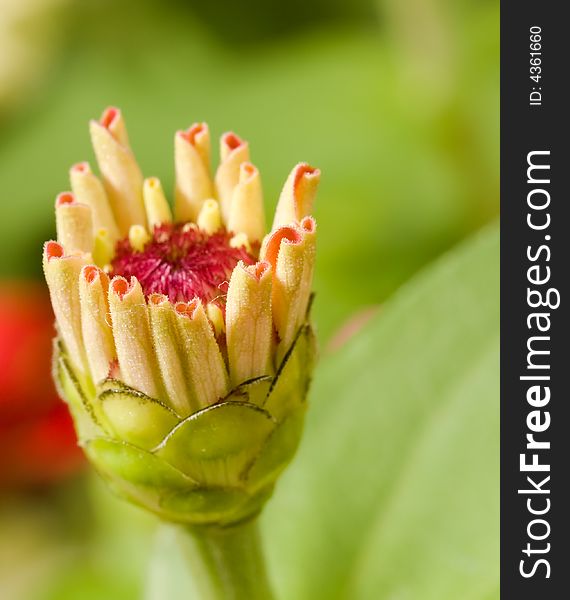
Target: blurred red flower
[[37, 439]]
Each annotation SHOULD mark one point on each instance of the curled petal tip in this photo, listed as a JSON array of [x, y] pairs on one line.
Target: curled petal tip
[[91, 273], [308, 224], [298, 194], [81, 167], [109, 115], [307, 171], [261, 268], [195, 131], [247, 171], [232, 141], [188, 309], [64, 198], [121, 287], [258, 270], [287, 234], [157, 299], [53, 250]]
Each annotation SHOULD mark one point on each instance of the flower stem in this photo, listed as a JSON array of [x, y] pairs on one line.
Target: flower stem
[[228, 563]]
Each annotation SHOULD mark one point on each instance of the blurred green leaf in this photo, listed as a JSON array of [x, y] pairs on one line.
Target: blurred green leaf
[[394, 493]]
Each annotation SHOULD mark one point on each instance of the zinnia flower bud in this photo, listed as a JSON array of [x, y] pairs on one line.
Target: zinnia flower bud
[[184, 348]]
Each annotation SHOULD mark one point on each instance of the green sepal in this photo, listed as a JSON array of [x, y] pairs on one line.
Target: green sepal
[[205, 505], [137, 418], [141, 477], [253, 391], [278, 450], [291, 383], [69, 388], [119, 460], [115, 385], [215, 445]]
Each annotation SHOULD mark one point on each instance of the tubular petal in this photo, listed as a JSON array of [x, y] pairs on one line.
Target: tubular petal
[[169, 352], [95, 322], [131, 331], [290, 251], [192, 166], [138, 237], [207, 377], [155, 203], [74, 224], [103, 248], [199, 136], [246, 214], [62, 275], [209, 219], [249, 325], [233, 152], [216, 317], [112, 119], [89, 190], [298, 194], [122, 176]]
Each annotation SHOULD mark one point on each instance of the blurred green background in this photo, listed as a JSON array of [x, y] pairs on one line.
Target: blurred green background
[[395, 100]]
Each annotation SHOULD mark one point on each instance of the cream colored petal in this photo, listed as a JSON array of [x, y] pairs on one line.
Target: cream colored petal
[[96, 322], [112, 119], [192, 167], [206, 373], [216, 317], [62, 275], [209, 218], [169, 352], [240, 240], [155, 202], [249, 325], [122, 176], [246, 213], [103, 248], [88, 189], [298, 194], [308, 226], [233, 152], [291, 252], [138, 237], [133, 340], [74, 224]]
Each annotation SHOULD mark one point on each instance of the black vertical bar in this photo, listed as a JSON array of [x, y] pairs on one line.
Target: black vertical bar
[[532, 123]]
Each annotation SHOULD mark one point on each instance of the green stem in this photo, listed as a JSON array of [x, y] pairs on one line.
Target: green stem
[[228, 563]]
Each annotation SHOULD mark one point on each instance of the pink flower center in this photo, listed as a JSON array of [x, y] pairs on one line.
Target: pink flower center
[[181, 263]]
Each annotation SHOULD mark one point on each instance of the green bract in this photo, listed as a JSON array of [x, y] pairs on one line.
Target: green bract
[[217, 466]]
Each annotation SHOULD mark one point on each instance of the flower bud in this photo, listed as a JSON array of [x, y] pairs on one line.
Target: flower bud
[[185, 352]]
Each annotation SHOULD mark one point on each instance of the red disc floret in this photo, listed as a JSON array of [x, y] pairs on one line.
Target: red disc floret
[[181, 262]]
